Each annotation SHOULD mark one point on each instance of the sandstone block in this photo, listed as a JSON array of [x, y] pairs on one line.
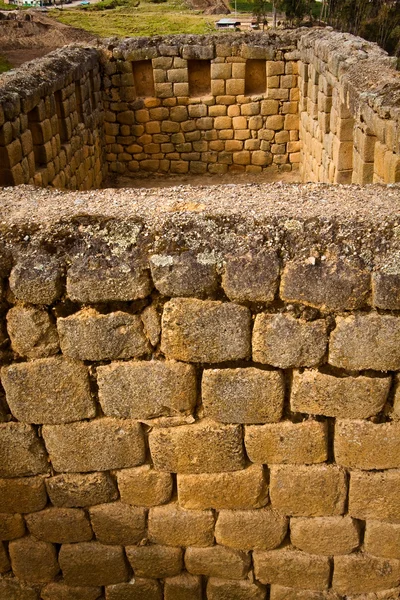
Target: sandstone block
[[60, 525], [382, 539], [292, 568], [325, 535], [361, 573], [81, 490], [187, 274], [143, 390], [62, 591], [283, 341], [48, 390], [251, 277], [308, 491], [89, 335], [12, 589], [92, 564], [328, 285], [21, 450], [97, 445], [366, 445], [217, 561], [318, 393], [262, 529], [279, 592], [195, 526], [225, 589], [37, 281], [152, 324], [286, 443], [243, 395], [386, 290], [136, 589], [204, 447], [155, 561], [11, 526], [144, 486], [183, 587], [31, 332], [22, 495], [33, 561], [243, 489], [366, 342], [375, 495], [118, 523]]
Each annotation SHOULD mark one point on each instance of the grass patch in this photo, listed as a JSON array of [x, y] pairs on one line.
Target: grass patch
[[4, 64], [7, 6]]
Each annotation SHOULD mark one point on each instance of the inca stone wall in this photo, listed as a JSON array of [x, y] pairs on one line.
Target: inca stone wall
[[322, 101], [200, 394]]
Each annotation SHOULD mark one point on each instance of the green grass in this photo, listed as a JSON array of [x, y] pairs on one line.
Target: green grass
[[7, 6], [4, 64]]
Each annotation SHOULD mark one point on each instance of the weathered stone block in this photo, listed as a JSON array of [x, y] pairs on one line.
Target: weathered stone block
[[171, 525], [361, 573], [204, 447], [97, 445], [286, 443], [205, 331], [325, 535], [308, 491], [118, 523], [12, 526], [144, 486], [251, 277], [33, 561], [318, 393], [62, 591], [136, 589], [183, 587], [366, 445], [21, 450], [12, 589], [279, 592], [283, 341], [262, 529], [386, 290], [217, 561], [375, 495], [79, 490], [22, 495], [60, 525], [143, 390], [31, 332], [92, 564], [155, 561], [293, 568], [187, 274], [38, 281], [48, 390], [243, 395], [224, 589], [243, 489], [366, 342], [152, 324], [382, 539]]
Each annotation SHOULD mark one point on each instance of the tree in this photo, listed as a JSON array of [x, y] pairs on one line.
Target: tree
[[260, 10]]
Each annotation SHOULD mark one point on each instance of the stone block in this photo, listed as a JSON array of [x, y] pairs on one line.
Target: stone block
[[325, 535], [282, 341], [22, 495], [171, 525], [375, 495], [262, 529], [349, 397], [205, 331], [48, 390], [92, 564], [382, 539], [182, 275], [81, 490], [308, 491], [225, 589], [118, 523], [144, 486], [62, 591], [183, 587], [279, 592], [37, 280], [21, 450], [217, 561], [60, 525], [251, 277], [33, 561], [155, 561], [143, 390], [243, 489], [366, 445], [136, 589], [32, 333], [287, 443], [89, 335], [204, 447], [292, 568], [97, 445], [362, 573], [327, 285], [243, 395], [152, 324], [386, 290], [12, 526], [12, 589]]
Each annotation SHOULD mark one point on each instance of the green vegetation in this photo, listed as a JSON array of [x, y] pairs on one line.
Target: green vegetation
[[4, 64], [7, 6]]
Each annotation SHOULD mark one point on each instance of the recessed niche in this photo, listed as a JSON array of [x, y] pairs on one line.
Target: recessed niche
[[199, 77], [143, 78], [256, 77]]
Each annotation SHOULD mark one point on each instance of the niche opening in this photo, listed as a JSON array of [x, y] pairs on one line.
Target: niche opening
[[256, 77], [199, 77], [143, 78]]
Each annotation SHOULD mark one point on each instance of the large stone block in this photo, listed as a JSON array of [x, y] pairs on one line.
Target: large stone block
[[143, 390], [171, 525], [286, 442], [33, 561], [375, 495], [22, 495], [136, 589], [144, 486], [217, 561], [292, 568], [32, 333], [48, 390], [186, 274], [225, 589], [81, 490], [366, 445], [12, 589], [36, 280], [243, 489], [205, 331], [21, 450], [243, 395], [382, 539], [60, 525], [262, 529], [283, 341], [362, 573], [93, 564], [386, 290], [325, 535], [12, 526], [203, 447], [97, 445], [155, 561], [62, 591], [118, 523], [308, 491], [280, 592], [318, 393]]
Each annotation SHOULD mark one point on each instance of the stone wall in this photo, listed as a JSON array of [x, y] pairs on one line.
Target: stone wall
[[200, 394]]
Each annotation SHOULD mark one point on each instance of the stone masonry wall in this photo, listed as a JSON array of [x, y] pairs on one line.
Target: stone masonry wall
[[200, 394]]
